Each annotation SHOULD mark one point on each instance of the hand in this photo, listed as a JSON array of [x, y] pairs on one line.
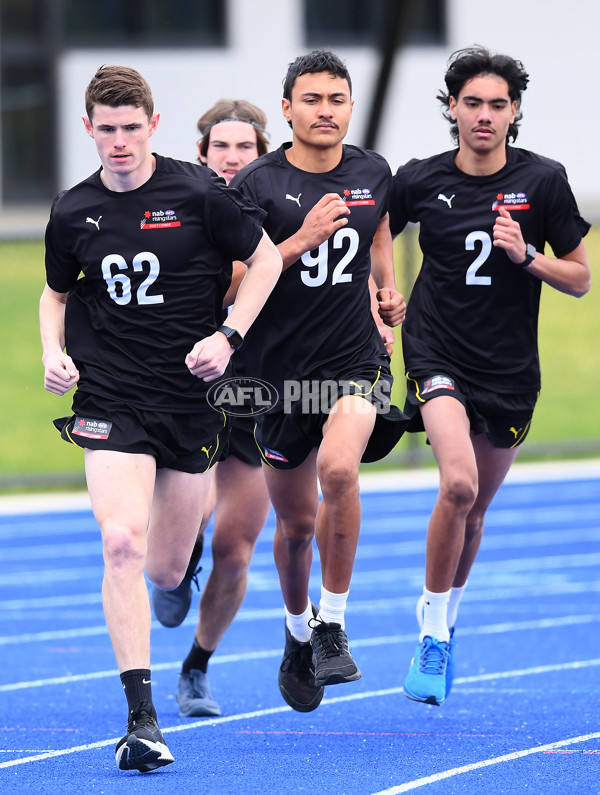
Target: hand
[[326, 217], [387, 335], [209, 357], [60, 373], [507, 235], [391, 306]]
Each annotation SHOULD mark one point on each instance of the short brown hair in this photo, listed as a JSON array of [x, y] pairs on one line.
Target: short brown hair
[[118, 85], [232, 110]]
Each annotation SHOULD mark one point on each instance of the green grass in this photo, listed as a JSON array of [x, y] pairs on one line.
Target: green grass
[[30, 446]]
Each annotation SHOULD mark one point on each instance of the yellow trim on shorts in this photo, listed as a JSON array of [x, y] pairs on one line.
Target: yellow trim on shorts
[[416, 383]]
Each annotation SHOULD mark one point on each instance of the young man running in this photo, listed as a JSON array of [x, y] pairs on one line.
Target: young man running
[[317, 343], [232, 135], [154, 239], [486, 211]]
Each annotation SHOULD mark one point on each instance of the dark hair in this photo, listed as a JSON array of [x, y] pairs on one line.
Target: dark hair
[[118, 85], [312, 62], [464, 65], [231, 110]]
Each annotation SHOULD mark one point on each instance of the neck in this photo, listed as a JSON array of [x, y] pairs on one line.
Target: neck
[[480, 165], [314, 159], [122, 183]]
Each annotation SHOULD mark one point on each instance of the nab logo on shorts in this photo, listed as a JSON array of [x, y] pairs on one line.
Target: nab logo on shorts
[[91, 429], [242, 397], [437, 382]]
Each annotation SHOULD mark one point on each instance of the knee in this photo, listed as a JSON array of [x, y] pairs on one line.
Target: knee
[[338, 477], [231, 560], [124, 549], [458, 492], [296, 529]]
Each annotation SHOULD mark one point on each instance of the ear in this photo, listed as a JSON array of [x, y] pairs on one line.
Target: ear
[[286, 109], [201, 157], [154, 123], [88, 126], [452, 107], [514, 111]]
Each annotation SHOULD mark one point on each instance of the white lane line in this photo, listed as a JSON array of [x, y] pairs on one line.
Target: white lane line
[[457, 771], [384, 640], [211, 722]]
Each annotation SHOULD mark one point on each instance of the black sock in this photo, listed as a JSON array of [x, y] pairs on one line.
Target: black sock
[[197, 658], [137, 684]]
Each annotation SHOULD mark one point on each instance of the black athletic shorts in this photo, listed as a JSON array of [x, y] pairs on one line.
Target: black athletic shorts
[[242, 443], [504, 417], [286, 435], [185, 442]]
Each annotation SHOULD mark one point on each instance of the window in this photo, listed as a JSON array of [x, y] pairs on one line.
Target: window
[[144, 22], [358, 22], [27, 101]]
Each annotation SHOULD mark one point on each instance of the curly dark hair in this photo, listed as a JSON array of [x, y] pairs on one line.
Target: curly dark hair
[[464, 65]]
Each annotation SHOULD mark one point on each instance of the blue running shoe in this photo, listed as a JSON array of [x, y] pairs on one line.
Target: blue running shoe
[[451, 644], [426, 679], [450, 666]]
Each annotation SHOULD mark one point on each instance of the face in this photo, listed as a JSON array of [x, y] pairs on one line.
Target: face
[[483, 112], [319, 110], [122, 137], [231, 146]]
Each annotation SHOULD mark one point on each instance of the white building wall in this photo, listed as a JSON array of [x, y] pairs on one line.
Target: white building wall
[[556, 40]]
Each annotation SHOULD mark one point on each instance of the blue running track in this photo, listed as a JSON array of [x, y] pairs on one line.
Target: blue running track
[[523, 716]]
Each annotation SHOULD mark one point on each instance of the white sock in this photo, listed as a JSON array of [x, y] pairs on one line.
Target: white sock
[[332, 607], [298, 625], [453, 602], [434, 615]]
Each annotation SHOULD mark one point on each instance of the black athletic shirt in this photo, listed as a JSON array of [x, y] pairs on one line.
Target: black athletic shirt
[[472, 311], [317, 321], [156, 263]]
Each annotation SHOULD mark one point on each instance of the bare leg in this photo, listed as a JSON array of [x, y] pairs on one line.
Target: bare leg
[[448, 430], [177, 510], [120, 487], [345, 436], [493, 464], [295, 498], [241, 511]]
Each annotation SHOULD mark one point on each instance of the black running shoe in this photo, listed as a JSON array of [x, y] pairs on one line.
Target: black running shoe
[[332, 662], [171, 607], [143, 748], [296, 675]]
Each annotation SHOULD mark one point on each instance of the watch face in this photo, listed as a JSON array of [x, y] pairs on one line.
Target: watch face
[[531, 252], [234, 338]]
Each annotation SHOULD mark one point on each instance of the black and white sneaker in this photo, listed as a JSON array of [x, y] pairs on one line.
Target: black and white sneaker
[[332, 662], [296, 675], [171, 607], [143, 748]]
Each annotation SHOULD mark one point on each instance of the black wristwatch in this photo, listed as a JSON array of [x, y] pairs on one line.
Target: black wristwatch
[[234, 337], [530, 253]]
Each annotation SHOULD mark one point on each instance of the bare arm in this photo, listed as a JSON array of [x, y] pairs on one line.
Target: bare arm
[[570, 274], [391, 306], [239, 271], [325, 218], [209, 357], [60, 373]]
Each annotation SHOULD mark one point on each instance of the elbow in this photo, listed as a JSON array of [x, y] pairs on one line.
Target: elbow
[[584, 288]]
